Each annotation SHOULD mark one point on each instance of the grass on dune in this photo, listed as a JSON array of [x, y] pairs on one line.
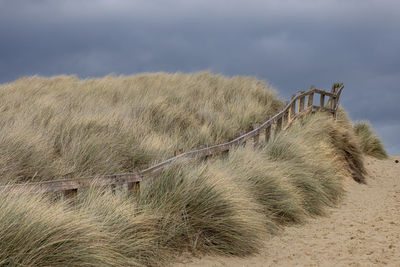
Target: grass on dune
[[370, 142], [223, 206], [266, 183], [212, 212], [337, 138], [308, 163], [35, 232], [53, 126], [133, 232]]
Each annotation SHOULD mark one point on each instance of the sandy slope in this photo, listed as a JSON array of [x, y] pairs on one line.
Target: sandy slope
[[363, 231]]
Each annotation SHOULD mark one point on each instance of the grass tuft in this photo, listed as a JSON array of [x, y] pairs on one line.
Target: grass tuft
[[204, 211], [370, 142], [35, 232]]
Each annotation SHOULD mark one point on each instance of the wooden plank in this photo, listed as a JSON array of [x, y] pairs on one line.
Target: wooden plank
[[278, 125], [322, 92], [285, 120], [301, 102], [322, 101], [256, 137], [267, 133], [292, 110], [310, 98], [256, 140], [68, 184]]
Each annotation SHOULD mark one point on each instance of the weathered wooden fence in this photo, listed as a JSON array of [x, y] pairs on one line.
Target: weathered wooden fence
[[300, 104]]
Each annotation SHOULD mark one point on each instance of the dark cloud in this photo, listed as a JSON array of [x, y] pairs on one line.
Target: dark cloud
[[290, 43]]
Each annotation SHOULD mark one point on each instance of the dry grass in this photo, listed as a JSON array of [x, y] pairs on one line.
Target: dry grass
[[266, 181], [35, 232], [370, 142], [339, 139], [53, 126], [222, 206], [219, 206], [204, 211], [133, 232]]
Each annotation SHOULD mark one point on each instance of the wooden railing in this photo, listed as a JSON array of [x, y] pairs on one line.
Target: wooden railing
[[300, 104]]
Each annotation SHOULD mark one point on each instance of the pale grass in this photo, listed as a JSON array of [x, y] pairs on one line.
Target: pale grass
[[226, 205], [371, 144], [53, 126]]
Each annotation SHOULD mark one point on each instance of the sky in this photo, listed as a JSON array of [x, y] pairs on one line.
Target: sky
[[291, 44]]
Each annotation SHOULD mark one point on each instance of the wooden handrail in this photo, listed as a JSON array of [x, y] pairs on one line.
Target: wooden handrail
[[137, 177]]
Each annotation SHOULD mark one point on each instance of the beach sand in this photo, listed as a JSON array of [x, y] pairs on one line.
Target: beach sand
[[364, 230]]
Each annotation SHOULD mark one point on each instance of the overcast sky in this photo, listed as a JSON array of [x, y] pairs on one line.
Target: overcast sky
[[292, 44]]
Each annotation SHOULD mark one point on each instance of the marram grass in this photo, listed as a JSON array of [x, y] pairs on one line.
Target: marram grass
[[226, 205], [53, 126], [371, 144]]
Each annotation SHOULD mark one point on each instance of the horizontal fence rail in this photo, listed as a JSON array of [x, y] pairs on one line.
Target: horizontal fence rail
[[300, 104]]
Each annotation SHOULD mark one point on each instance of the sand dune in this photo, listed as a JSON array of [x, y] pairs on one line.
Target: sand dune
[[363, 231]]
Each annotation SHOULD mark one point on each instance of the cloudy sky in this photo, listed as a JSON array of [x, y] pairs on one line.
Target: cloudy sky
[[292, 44]]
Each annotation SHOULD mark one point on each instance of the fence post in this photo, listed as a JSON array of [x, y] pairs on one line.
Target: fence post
[[243, 143], [292, 109], [267, 133], [257, 136], [225, 153], [285, 120], [134, 188], [310, 98], [113, 188], [322, 100], [178, 152], [278, 125], [71, 194], [301, 102]]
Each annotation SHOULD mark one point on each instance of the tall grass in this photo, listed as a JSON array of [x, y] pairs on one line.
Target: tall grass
[[267, 183], [222, 206], [338, 139], [226, 205], [133, 232], [371, 144], [204, 211], [35, 232], [53, 126]]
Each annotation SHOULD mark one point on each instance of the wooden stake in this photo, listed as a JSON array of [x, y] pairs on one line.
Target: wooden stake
[[256, 137], [278, 125], [301, 103], [267, 133], [71, 194], [310, 98], [322, 101], [134, 188]]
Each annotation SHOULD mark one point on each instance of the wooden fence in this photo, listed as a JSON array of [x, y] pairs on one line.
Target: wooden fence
[[300, 104]]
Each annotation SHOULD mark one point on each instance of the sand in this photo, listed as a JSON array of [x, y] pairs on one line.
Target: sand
[[364, 230]]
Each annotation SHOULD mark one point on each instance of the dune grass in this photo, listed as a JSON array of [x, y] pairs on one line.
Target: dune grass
[[53, 126], [338, 139], [35, 232], [207, 211], [225, 205], [133, 232], [371, 144]]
